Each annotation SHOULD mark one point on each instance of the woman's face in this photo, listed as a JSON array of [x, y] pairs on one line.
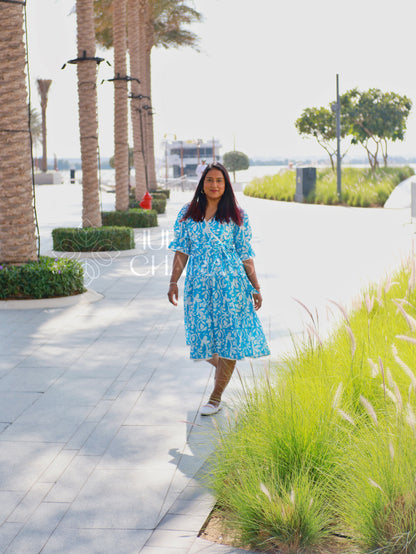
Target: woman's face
[[214, 184]]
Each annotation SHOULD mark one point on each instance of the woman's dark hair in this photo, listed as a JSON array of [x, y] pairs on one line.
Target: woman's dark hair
[[227, 207]]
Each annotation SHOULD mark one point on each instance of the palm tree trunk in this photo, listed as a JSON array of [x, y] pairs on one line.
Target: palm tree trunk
[[43, 88], [17, 222], [88, 120], [134, 30], [150, 145], [121, 145]]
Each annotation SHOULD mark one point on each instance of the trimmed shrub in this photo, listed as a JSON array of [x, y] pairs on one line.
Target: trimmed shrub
[[134, 217], [92, 239], [158, 204], [165, 192], [46, 278]]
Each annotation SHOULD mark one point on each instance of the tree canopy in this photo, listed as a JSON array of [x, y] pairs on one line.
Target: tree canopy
[[235, 161], [370, 118], [168, 19]]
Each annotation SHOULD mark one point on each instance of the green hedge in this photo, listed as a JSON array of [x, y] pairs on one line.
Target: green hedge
[[93, 239], [46, 278], [135, 217], [158, 204], [165, 192]]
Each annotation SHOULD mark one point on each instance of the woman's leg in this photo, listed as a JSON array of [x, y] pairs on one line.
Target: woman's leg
[[223, 374]]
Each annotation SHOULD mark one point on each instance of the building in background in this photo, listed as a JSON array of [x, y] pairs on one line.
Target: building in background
[[183, 156]]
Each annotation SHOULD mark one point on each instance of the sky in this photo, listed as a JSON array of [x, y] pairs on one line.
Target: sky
[[260, 64]]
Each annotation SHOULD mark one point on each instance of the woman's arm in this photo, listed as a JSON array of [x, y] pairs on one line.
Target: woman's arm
[[179, 262], [252, 277]]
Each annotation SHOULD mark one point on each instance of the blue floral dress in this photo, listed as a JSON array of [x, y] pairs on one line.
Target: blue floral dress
[[219, 309]]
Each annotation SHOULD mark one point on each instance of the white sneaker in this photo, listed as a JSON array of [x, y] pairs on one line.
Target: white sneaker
[[210, 409]]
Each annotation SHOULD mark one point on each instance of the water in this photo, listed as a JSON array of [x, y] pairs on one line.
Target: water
[[108, 175]]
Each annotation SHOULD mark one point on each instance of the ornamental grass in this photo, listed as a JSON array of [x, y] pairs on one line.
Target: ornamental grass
[[321, 456], [361, 187]]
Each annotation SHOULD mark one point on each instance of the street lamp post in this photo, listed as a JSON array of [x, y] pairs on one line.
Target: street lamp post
[[338, 130]]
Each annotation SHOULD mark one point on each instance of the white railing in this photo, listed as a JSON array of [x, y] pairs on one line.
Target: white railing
[[182, 183]]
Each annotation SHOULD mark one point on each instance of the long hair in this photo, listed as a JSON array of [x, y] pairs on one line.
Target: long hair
[[227, 210]]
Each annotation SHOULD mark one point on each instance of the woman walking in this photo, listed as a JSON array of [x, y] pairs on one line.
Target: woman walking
[[222, 294]]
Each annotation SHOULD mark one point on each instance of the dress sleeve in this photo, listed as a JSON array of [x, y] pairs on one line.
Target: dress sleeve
[[242, 239], [181, 241]]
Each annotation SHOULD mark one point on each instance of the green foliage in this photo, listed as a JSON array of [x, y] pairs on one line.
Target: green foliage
[[370, 118], [320, 123], [131, 159], [93, 239], [159, 191], [46, 278], [168, 20], [134, 217], [158, 203], [325, 441], [360, 187], [377, 117], [236, 161]]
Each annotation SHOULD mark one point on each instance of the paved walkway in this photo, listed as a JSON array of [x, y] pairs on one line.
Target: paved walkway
[[100, 437]]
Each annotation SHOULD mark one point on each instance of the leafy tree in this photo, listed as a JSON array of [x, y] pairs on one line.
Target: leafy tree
[[376, 118], [369, 118], [320, 123], [235, 161]]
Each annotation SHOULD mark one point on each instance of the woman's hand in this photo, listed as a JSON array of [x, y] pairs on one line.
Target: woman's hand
[[258, 300], [173, 294]]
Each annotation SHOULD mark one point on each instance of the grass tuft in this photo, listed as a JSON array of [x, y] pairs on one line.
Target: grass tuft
[[325, 441]]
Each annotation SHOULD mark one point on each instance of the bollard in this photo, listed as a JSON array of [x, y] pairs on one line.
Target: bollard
[[72, 175], [413, 200]]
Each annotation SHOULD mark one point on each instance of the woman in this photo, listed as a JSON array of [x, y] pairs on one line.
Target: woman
[[222, 293]]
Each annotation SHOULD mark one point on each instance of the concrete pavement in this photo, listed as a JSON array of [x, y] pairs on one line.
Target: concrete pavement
[[100, 437]]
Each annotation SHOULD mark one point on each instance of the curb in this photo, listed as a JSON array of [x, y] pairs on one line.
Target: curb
[[60, 302]]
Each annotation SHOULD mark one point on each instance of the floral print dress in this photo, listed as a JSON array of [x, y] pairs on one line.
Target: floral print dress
[[219, 309]]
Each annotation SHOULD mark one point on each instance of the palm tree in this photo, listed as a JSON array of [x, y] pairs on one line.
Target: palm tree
[[121, 146], [43, 88], [35, 129], [88, 120], [150, 23], [17, 222], [135, 42]]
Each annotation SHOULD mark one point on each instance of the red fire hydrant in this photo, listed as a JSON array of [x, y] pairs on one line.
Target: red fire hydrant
[[146, 203]]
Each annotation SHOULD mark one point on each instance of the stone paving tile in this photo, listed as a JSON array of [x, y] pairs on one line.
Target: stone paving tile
[[56, 468], [13, 404], [143, 446], [8, 532], [22, 463], [35, 534], [77, 391], [97, 443], [166, 540], [30, 379], [9, 362], [71, 481], [182, 522], [46, 422], [29, 503], [9, 500], [96, 541], [127, 499]]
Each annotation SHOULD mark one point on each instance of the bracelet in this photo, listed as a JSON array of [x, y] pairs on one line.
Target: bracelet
[[173, 283]]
